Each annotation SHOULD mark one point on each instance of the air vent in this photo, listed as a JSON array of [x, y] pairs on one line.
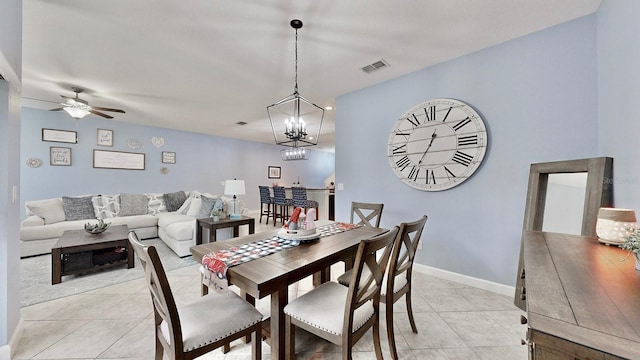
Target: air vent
[[241, 123], [380, 64]]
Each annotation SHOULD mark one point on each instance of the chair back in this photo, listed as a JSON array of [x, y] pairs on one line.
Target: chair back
[[370, 280], [164, 306], [279, 196], [402, 255], [265, 194], [366, 213], [299, 195]]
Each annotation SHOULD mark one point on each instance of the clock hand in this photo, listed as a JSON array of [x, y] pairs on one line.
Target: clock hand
[[433, 136]]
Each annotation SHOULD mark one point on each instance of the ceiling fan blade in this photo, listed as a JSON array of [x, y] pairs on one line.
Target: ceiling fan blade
[[108, 109], [93, 111], [57, 109]]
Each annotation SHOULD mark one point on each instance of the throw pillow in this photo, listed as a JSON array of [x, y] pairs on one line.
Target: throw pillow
[[156, 204], [106, 206], [133, 204], [50, 210], [207, 206], [78, 208], [194, 207], [174, 200]]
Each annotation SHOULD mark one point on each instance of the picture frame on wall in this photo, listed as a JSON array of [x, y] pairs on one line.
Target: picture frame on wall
[[168, 157], [274, 172], [104, 137], [63, 136], [108, 159], [59, 156]]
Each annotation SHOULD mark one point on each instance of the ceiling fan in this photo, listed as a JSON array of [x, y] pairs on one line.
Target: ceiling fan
[[79, 108]]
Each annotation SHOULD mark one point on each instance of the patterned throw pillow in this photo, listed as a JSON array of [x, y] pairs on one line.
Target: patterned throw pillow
[[207, 206], [133, 204], [106, 206], [78, 208], [156, 204], [174, 200]]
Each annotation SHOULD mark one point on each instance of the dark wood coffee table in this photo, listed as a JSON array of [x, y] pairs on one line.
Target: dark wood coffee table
[[77, 252], [213, 226]]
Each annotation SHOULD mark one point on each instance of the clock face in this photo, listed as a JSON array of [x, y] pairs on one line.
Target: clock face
[[437, 144]]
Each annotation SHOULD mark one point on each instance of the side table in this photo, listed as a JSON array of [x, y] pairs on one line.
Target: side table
[[213, 226]]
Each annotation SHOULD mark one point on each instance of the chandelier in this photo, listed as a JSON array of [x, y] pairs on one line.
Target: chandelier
[[295, 120]]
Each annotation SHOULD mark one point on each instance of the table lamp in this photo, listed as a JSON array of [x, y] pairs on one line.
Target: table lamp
[[234, 187], [613, 225]]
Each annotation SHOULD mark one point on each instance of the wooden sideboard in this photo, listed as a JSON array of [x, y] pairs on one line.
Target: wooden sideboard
[[582, 301]]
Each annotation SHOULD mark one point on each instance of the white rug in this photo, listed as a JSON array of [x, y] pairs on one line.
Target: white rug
[[35, 275]]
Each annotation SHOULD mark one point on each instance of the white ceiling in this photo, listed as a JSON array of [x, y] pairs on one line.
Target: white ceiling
[[202, 66]]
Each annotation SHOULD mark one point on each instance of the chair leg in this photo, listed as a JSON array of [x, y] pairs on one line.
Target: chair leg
[[256, 342], [410, 312], [159, 348], [226, 348], [376, 339], [390, 334], [289, 339]]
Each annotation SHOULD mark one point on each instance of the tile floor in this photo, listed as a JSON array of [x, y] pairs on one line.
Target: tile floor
[[454, 322]]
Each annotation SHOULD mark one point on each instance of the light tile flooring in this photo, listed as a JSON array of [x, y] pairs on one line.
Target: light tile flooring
[[454, 322]]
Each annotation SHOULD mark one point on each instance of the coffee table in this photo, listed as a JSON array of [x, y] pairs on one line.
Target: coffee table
[[221, 224], [77, 252]]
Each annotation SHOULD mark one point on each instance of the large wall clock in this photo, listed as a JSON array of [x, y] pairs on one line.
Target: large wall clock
[[437, 144]]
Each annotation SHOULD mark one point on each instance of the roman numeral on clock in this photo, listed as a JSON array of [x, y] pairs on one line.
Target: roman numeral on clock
[[430, 178], [468, 140], [413, 174], [461, 124], [462, 158], [413, 120], [447, 114], [449, 173], [403, 163], [402, 149], [430, 112]]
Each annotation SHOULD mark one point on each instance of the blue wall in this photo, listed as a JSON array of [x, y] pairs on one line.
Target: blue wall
[[538, 97], [202, 161]]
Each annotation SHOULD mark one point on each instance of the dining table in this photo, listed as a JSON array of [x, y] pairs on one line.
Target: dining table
[[272, 274]]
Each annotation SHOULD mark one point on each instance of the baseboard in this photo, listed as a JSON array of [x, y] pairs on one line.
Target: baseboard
[[466, 280], [6, 350]]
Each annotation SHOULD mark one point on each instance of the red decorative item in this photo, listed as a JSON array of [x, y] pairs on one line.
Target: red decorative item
[[295, 215]]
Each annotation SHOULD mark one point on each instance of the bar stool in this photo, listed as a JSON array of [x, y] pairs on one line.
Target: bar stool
[[299, 195], [280, 201], [265, 199]]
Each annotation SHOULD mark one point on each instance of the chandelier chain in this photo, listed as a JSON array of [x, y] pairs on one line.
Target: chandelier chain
[[296, 67]]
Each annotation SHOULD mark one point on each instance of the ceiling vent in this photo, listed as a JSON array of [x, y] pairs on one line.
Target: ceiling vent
[[380, 64], [241, 123]]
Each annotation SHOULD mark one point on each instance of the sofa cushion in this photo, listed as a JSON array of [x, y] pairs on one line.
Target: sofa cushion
[[207, 206], [181, 230], [106, 206], [50, 210], [133, 204], [174, 200], [194, 207], [78, 208], [166, 219], [156, 203], [135, 221]]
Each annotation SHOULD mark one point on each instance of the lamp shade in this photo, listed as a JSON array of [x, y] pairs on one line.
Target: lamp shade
[[234, 187], [76, 112], [613, 225]]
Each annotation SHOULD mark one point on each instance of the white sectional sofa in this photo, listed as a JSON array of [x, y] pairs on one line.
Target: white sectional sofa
[[47, 219]]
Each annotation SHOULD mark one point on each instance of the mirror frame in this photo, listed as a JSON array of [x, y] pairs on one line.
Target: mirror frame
[[598, 192]]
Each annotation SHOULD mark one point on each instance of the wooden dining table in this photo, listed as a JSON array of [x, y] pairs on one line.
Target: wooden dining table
[[272, 274]]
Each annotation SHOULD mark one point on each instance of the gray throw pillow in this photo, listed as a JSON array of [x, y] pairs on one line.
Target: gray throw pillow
[[173, 201], [78, 208], [207, 206], [133, 204]]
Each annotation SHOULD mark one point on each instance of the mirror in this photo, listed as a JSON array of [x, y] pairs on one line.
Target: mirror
[[564, 203], [597, 191]]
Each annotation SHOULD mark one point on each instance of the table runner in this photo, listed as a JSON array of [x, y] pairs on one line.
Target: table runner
[[217, 263]]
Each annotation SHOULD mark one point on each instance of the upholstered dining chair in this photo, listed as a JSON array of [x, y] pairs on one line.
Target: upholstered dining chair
[[367, 214], [397, 279], [200, 326], [343, 315], [299, 197], [265, 199], [280, 205]]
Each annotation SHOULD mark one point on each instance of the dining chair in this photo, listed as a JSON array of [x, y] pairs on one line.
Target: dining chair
[[299, 197], [343, 315], [397, 279], [280, 205], [366, 213], [199, 326], [265, 199]]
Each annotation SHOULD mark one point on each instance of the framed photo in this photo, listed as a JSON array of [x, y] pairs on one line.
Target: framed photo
[[274, 172], [107, 159], [63, 136], [104, 137], [60, 156], [168, 157]]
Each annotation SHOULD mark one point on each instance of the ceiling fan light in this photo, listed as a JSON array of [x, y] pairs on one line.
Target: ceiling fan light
[[75, 112]]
